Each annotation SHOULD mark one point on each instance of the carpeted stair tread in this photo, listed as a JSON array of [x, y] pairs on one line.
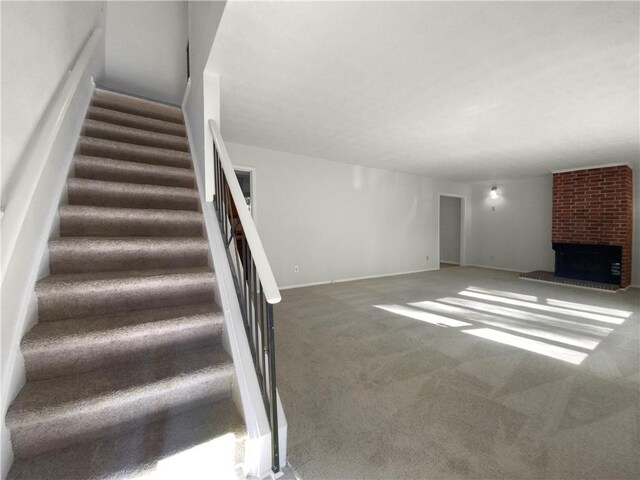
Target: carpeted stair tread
[[137, 106], [99, 193], [89, 221], [71, 295], [49, 395], [119, 133], [139, 450], [95, 254], [135, 121], [72, 346], [126, 365], [62, 411], [99, 147], [122, 171]]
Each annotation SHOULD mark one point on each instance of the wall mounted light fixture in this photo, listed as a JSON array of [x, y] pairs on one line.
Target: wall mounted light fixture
[[494, 192]]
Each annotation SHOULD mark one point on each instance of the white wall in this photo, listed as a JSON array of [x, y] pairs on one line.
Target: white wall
[[514, 230], [517, 235], [338, 221], [204, 18], [450, 229], [40, 42], [146, 49]]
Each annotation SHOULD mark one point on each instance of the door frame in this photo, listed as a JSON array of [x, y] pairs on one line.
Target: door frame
[[252, 186], [463, 227]]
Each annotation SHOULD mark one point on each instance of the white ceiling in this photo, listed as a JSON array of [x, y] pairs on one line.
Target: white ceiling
[[459, 91]]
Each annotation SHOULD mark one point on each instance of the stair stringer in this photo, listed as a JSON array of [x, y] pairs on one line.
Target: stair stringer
[[245, 390]]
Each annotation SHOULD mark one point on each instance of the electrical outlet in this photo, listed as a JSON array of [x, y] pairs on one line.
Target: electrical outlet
[[493, 209], [427, 258], [296, 269]]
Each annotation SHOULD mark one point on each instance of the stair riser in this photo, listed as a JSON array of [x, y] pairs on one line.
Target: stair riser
[[133, 121], [137, 107], [110, 132], [108, 415], [135, 226], [77, 299], [132, 198], [76, 259], [129, 343], [108, 173], [134, 153]]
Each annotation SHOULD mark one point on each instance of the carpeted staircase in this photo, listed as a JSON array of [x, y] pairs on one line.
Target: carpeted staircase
[[125, 369]]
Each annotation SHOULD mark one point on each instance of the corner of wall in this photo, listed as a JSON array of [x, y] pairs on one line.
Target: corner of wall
[[203, 21], [511, 232]]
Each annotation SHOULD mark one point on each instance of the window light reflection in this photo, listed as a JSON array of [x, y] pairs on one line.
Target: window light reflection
[[589, 308], [545, 308], [502, 293], [423, 316], [598, 330], [542, 348], [517, 326], [212, 459], [549, 327]]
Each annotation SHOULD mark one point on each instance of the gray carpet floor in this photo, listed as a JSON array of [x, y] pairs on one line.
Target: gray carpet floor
[[463, 373]]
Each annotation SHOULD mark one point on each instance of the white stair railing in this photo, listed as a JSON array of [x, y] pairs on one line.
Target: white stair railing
[[253, 278]]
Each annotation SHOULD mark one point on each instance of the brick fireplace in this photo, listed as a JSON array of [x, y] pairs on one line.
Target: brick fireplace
[[593, 224]]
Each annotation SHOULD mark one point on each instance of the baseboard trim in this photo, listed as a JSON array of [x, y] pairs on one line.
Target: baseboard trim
[[496, 268], [303, 285], [385, 275], [354, 279]]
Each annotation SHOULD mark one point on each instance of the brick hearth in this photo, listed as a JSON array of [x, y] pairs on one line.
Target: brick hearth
[[595, 206]]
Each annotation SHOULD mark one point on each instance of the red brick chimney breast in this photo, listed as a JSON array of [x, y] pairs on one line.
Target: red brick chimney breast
[[595, 206]]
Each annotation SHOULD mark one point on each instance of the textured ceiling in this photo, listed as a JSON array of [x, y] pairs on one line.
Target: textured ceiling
[[459, 91]]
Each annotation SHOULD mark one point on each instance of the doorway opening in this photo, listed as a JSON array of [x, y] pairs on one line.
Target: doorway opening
[[246, 179], [450, 230]]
